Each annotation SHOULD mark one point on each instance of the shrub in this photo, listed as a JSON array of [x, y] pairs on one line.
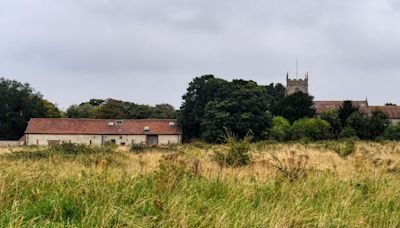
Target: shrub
[[237, 154], [360, 123], [280, 129], [172, 170], [138, 148], [347, 132], [392, 132], [332, 117], [312, 128], [87, 155], [292, 167], [378, 122], [343, 148]]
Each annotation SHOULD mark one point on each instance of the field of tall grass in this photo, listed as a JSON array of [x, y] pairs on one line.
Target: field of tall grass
[[325, 184]]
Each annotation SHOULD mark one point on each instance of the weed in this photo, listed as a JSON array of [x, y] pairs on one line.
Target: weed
[[292, 167], [237, 153], [343, 148]]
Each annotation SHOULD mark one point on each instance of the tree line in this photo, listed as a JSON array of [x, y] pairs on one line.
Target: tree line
[[19, 102], [210, 108]]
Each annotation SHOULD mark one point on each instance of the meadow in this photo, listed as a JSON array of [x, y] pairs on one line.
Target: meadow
[[323, 184]]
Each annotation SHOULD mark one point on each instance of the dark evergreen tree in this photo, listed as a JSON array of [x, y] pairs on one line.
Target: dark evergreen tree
[[18, 104], [296, 106], [346, 110]]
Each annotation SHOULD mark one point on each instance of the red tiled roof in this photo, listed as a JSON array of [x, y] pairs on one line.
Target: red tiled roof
[[101, 126], [322, 106], [393, 112]]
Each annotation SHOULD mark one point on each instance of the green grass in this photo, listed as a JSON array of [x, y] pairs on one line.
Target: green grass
[[60, 190]]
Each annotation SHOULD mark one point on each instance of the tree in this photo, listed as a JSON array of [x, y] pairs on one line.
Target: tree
[[164, 111], [296, 106], [332, 117], [211, 104], [346, 110], [311, 128], [275, 93], [241, 111], [392, 132], [116, 109], [216, 121], [51, 110], [84, 110], [347, 132], [18, 104], [112, 109], [378, 122], [201, 90], [280, 129], [360, 123]]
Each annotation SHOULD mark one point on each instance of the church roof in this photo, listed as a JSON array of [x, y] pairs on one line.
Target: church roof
[[393, 112], [322, 106]]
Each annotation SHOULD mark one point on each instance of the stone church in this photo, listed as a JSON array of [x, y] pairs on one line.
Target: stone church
[[301, 85], [296, 85]]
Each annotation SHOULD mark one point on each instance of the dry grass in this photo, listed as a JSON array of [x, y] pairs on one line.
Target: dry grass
[[130, 189]]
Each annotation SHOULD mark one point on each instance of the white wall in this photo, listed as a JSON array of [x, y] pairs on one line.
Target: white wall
[[127, 139], [42, 139], [395, 121], [169, 139], [10, 143]]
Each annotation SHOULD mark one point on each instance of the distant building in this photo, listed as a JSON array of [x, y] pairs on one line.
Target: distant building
[[296, 85], [322, 106], [49, 131]]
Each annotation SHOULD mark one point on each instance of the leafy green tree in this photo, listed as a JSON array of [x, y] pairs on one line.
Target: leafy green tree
[[275, 93], [332, 117], [347, 132], [84, 110], [216, 121], [311, 128], [18, 104], [242, 110], [296, 106], [280, 129], [212, 104], [346, 110], [360, 123], [164, 111], [392, 132], [112, 109], [51, 110], [378, 122], [200, 92], [116, 109]]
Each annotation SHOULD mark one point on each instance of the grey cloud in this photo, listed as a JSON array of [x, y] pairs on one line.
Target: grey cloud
[[147, 51]]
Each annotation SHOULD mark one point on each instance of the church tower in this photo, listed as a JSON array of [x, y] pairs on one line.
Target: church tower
[[296, 85]]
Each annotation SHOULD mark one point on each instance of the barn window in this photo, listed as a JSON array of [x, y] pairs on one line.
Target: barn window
[[112, 141], [120, 122], [90, 142], [122, 143]]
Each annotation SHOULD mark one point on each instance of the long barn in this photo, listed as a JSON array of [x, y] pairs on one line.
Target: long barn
[[50, 131]]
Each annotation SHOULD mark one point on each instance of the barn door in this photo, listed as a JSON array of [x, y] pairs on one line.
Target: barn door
[[152, 140], [53, 142]]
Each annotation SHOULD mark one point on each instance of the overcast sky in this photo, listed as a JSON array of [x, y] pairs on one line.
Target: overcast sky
[[147, 51]]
